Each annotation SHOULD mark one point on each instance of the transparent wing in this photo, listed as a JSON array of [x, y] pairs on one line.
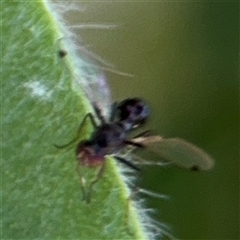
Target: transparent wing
[[177, 151], [87, 73], [93, 82], [99, 94]]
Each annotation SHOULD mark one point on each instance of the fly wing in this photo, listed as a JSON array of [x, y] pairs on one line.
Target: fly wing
[[99, 94], [178, 152], [94, 84]]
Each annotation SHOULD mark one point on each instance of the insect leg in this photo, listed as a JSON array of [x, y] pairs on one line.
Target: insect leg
[[135, 144], [113, 112], [90, 116], [82, 183], [126, 162], [99, 113], [143, 134], [94, 181]]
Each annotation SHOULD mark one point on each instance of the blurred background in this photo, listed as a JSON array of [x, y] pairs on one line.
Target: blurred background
[[184, 58]]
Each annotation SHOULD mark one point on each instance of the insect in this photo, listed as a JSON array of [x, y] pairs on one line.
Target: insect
[[111, 136], [108, 138]]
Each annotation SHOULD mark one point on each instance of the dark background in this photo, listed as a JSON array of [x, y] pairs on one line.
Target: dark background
[[185, 62]]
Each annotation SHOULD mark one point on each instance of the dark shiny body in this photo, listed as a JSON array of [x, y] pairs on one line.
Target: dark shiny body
[[110, 137], [133, 111], [106, 139]]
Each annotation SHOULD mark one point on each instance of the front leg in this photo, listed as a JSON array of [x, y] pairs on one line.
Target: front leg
[[82, 124]]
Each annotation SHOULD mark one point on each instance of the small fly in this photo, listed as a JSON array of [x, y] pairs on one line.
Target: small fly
[[111, 136], [108, 138]]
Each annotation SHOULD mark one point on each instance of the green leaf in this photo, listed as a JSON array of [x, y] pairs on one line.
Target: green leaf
[[43, 104]]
